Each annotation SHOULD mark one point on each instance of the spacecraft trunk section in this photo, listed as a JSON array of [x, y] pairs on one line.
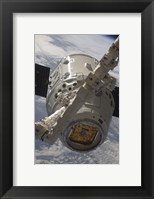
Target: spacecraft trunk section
[[79, 101]]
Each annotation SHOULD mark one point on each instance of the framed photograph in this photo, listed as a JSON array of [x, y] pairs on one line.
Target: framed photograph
[[76, 99]]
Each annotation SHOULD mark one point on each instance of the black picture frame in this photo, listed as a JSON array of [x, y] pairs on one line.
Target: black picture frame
[[7, 8]]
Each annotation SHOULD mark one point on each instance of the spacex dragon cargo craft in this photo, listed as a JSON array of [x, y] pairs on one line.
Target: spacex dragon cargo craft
[[81, 98]]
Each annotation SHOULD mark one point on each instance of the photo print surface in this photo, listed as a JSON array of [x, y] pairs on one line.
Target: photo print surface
[[76, 99]]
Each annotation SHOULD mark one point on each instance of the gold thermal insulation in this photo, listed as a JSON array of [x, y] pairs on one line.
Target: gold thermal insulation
[[83, 134]]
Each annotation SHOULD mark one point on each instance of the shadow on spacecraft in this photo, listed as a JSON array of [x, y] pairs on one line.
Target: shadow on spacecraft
[[81, 98]]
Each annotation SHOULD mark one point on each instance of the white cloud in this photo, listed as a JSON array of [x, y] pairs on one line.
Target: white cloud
[[94, 45], [43, 43]]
